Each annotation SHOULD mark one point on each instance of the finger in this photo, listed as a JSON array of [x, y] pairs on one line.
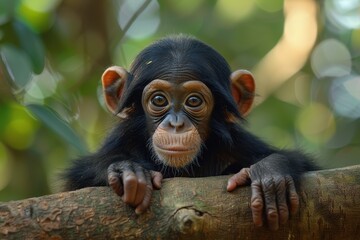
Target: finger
[[272, 215], [240, 178], [156, 178], [147, 196], [115, 172], [292, 195], [257, 203], [130, 184], [141, 185], [115, 183], [281, 197]]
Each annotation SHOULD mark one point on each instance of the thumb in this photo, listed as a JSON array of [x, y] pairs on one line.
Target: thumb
[[239, 179], [156, 178]]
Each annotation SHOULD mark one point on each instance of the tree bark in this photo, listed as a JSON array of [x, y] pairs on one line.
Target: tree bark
[[188, 208]]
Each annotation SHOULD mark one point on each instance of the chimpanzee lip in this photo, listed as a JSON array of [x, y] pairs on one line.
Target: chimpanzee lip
[[175, 149]]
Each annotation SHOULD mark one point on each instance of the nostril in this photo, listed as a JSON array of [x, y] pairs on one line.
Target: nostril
[[179, 125]]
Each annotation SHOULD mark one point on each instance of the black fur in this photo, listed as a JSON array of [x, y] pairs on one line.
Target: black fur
[[229, 146]]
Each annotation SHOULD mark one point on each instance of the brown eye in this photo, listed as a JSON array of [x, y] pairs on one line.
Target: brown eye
[[159, 101], [194, 101]]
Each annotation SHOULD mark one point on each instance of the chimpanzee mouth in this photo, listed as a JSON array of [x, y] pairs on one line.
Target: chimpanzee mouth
[[175, 156], [170, 150], [176, 149]]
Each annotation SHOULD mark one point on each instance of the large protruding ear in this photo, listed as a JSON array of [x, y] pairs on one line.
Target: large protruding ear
[[243, 88], [113, 82]]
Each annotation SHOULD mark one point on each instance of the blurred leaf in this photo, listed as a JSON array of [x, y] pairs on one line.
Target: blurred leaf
[[6, 9], [58, 125], [4, 16], [17, 64], [32, 45]]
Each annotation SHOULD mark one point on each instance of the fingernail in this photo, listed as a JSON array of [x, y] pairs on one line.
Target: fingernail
[[228, 186], [138, 211]]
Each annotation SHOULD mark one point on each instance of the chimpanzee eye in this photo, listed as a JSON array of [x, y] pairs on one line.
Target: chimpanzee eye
[[159, 101], [194, 101]]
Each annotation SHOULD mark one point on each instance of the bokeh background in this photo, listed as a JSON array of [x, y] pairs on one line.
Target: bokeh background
[[303, 53]]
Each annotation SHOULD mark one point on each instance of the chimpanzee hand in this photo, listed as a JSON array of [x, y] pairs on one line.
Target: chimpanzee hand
[[134, 183], [273, 190]]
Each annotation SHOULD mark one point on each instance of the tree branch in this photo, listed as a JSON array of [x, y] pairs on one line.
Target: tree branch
[[188, 208]]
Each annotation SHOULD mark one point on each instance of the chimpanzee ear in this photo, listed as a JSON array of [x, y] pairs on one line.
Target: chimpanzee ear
[[242, 88], [113, 82]]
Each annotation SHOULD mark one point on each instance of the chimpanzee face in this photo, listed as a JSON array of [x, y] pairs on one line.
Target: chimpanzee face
[[178, 113]]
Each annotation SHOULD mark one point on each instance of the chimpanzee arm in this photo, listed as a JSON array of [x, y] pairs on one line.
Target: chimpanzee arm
[[84, 173]]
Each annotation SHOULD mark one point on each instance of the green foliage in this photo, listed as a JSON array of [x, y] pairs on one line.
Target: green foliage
[[17, 65], [58, 125], [32, 46]]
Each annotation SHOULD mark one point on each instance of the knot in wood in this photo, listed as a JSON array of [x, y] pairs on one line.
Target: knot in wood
[[189, 220]]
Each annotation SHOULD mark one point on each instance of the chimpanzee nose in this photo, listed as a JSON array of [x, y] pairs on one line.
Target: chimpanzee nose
[[176, 122]]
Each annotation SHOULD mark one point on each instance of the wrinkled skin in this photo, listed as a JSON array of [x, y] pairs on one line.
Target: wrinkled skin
[[133, 183], [271, 192]]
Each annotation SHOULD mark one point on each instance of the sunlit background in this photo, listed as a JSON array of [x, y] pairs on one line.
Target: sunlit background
[[303, 53]]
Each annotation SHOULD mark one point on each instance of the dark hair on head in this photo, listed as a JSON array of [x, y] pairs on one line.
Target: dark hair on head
[[185, 55]]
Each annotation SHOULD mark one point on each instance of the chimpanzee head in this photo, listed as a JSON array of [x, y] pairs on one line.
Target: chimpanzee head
[[180, 84]]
